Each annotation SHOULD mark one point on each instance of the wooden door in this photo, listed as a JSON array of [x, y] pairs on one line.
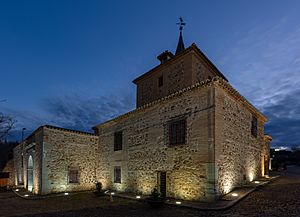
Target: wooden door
[[163, 184]]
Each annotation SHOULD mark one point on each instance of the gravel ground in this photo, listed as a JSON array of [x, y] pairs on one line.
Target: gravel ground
[[280, 198]]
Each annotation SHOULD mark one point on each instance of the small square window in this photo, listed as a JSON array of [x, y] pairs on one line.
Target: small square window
[[254, 126], [160, 81], [117, 175], [73, 175], [118, 141], [177, 132]]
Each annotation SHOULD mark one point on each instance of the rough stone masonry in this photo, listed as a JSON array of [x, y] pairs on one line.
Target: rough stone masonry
[[192, 136]]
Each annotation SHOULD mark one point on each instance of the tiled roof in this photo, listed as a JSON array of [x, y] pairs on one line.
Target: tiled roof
[[58, 128], [68, 130], [216, 80], [187, 50]]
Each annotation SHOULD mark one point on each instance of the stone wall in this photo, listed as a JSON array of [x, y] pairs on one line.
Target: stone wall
[[220, 152], [183, 71], [146, 150], [63, 149], [266, 155], [176, 75], [18, 164], [53, 151], [201, 71], [238, 152], [9, 168], [32, 148]]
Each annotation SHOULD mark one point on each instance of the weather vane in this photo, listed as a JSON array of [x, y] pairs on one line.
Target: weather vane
[[181, 24]]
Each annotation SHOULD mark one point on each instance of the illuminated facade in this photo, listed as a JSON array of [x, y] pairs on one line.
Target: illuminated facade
[[54, 159], [192, 135]]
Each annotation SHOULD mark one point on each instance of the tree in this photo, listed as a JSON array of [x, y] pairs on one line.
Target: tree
[[6, 125], [295, 148]]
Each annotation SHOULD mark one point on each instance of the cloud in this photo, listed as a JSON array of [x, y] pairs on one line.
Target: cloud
[[80, 112], [265, 67], [284, 119], [27, 119], [73, 111], [263, 64]]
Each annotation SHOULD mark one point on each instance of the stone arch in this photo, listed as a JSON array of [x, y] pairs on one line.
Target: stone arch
[[30, 179]]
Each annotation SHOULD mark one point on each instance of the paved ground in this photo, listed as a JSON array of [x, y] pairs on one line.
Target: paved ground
[[280, 198]]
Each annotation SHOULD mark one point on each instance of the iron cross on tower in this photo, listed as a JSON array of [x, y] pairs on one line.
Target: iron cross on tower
[[180, 45], [181, 24]]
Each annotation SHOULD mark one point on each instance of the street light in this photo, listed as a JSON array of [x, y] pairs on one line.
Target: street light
[[23, 129]]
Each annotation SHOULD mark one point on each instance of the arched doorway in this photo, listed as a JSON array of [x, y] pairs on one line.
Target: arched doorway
[[30, 173]]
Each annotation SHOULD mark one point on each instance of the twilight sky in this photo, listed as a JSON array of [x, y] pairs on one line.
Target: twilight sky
[[71, 63]]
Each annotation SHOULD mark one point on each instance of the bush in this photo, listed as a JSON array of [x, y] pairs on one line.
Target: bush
[[155, 200], [155, 193], [99, 191], [99, 186]]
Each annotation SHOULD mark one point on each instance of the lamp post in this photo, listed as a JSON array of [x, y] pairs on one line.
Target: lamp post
[[23, 129]]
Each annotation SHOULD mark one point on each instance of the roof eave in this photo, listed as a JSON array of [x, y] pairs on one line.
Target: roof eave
[[187, 50]]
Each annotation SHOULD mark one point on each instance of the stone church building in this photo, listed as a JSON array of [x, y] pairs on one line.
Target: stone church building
[[192, 135]]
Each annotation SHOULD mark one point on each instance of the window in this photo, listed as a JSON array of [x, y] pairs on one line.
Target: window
[[160, 81], [73, 175], [118, 141], [254, 126], [4, 175], [177, 131], [117, 175]]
